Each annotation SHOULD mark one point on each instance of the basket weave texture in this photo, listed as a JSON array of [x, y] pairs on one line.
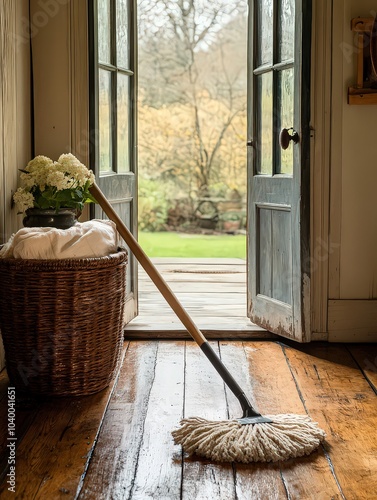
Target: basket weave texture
[[62, 322]]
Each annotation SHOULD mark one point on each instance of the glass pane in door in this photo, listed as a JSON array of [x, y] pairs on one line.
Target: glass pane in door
[[265, 31], [286, 24], [264, 123], [123, 113], [104, 121], [104, 23], [286, 109], [123, 42]]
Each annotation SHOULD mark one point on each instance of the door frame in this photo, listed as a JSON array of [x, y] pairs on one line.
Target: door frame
[[295, 321], [321, 249], [321, 102], [131, 309]]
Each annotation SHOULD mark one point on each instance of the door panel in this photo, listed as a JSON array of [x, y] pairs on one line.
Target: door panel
[[278, 179], [113, 97]]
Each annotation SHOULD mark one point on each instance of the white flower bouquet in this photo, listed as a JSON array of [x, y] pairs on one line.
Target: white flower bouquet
[[48, 184]]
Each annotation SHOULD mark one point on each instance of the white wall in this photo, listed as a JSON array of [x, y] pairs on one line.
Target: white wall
[[60, 68], [352, 306], [60, 74], [354, 185]]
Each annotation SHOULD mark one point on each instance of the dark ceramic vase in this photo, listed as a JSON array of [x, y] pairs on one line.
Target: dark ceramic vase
[[61, 219]]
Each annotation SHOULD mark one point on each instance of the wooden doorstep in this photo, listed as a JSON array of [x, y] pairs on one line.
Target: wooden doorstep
[[213, 291], [201, 261], [197, 287], [117, 444]]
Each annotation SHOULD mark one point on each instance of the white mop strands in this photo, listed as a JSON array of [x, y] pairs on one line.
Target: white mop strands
[[288, 436]]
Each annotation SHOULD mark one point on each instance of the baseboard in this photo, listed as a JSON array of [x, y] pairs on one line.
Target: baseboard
[[319, 336], [352, 320]]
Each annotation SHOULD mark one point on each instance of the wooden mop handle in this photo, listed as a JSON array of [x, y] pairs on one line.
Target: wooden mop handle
[[150, 269], [158, 280]]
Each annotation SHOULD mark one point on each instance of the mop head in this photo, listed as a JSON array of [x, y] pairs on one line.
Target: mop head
[[288, 436]]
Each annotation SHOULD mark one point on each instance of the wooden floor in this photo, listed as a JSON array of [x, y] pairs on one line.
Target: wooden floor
[[117, 444], [213, 291]]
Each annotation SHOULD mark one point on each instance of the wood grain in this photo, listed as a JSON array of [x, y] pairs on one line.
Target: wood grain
[[117, 444], [339, 398], [205, 397], [158, 453], [53, 454], [273, 390], [114, 461], [366, 357], [213, 292], [198, 287], [253, 481], [200, 277], [201, 261]]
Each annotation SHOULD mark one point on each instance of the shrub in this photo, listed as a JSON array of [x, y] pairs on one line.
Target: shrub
[[153, 205]]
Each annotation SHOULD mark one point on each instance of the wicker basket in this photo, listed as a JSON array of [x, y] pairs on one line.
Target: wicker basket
[[62, 322]]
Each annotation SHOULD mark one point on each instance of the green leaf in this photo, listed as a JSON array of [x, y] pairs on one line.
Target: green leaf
[[90, 199], [78, 193], [43, 203], [48, 193], [64, 195]]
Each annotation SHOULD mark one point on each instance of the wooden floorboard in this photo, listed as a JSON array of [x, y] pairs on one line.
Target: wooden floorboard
[[159, 466], [53, 453], [112, 468], [366, 358], [273, 390], [338, 396], [117, 444], [205, 397]]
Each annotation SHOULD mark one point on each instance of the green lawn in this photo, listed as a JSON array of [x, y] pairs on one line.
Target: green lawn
[[192, 245]]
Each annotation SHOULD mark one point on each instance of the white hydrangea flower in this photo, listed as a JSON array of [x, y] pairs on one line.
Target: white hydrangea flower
[[40, 168], [38, 163], [74, 169], [42, 175], [27, 180], [23, 199], [57, 179]]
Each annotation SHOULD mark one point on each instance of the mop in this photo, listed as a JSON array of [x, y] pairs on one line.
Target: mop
[[252, 438]]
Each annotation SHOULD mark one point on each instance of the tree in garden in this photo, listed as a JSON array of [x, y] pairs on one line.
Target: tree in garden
[[193, 92]]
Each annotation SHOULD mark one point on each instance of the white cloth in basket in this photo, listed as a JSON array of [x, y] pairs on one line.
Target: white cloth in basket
[[94, 238]]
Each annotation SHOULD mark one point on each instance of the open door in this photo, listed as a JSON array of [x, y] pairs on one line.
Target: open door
[[113, 120], [279, 166]]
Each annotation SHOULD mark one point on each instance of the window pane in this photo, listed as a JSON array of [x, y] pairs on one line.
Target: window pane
[[123, 122], [123, 44], [265, 31], [286, 105], [104, 24], [104, 120], [287, 30], [264, 125]]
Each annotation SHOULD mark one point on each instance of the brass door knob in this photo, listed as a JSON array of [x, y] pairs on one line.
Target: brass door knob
[[285, 137]]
